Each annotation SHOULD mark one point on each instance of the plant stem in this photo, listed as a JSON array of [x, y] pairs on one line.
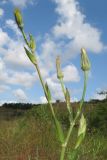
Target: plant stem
[[56, 122], [67, 104], [42, 82], [44, 88], [63, 153], [63, 87], [75, 119], [24, 36]]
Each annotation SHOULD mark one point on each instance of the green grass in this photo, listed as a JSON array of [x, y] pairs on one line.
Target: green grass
[[32, 137]]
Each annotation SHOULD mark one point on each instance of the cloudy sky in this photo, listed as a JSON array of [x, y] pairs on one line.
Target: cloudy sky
[[60, 27]]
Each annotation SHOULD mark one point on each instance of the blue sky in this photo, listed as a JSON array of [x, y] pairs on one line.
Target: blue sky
[[60, 27]]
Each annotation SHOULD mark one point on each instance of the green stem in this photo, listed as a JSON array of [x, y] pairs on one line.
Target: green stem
[[24, 36], [75, 119], [70, 111], [57, 123], [42, 82], [63, 153], [63, 87]]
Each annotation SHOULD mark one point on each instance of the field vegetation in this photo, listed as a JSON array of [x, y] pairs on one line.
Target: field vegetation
[[27, 132]]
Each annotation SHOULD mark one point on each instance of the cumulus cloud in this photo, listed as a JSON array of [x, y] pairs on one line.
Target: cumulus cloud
[[99, 96], [43, 99], [56, 89], [70, 72], [8, 76], [69, 34], [12, 25], [20, 95], [73, 26]]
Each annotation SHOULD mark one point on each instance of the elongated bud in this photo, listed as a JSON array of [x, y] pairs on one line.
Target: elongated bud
[[58, 67], [48, 94], [85, 63], [68, 99], [18, 18], [32, 43], [81, 131]]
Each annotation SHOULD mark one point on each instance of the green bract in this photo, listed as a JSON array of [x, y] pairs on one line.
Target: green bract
[[85, 63]]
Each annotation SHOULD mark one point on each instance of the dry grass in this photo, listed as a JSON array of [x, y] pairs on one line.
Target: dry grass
[[32, 137]]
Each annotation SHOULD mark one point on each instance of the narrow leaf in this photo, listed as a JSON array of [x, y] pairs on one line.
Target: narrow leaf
[[59, 131], [67, 97], [30, 55]]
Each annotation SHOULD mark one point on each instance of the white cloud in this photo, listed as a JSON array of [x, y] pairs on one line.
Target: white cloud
[[55, 89], [69, 34], [73, 26], [99, 96], [11, 49], [22, 78], [12, 25], [71, 74], [4, 88], [43, 99], [20, 95], [4, 38], [1, 12], [21, 3]]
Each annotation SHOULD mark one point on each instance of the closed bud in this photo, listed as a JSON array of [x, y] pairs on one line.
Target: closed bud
[[18, 18], [81, 131], [32, 44], [48, 93], [58, 67], [67, 97], [31, 56], [85, 63]]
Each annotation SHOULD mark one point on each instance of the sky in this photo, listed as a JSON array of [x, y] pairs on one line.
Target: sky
[[60, 28]]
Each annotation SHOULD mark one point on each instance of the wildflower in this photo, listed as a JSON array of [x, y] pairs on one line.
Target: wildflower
[[85, 63]]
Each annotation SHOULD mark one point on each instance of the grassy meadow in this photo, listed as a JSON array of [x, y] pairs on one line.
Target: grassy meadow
[[29, 133]]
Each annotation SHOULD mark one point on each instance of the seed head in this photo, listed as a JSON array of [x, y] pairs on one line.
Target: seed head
[[59, 72], [85, 63], [18, 18]]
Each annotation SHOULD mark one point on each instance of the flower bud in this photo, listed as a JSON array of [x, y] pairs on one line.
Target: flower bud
[[85, 63], [18, 18], [32, 44], [59, 72]]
